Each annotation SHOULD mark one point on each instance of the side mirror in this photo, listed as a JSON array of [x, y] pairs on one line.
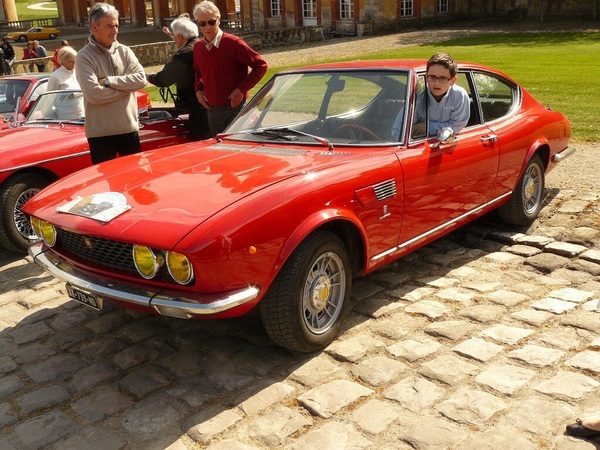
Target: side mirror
[[444, 136]]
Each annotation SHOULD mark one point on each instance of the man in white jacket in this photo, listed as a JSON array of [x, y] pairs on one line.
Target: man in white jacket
[[109, 75]]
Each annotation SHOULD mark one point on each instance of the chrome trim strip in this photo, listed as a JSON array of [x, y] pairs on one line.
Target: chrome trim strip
[[38, 163], [558, 157], [108, 289], [439, 227]]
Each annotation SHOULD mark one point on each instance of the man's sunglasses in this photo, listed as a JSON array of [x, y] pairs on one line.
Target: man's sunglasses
[[211, 22]]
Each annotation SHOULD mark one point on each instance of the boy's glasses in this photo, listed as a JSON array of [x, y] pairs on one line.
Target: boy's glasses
[[211, 22], [441, 80]]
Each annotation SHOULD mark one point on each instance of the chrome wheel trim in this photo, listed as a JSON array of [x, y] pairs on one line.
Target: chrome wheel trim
[[532, 188], [323, 293], [21, 223]]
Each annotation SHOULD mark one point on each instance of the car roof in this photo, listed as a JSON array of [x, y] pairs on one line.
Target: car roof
[[417, 65]]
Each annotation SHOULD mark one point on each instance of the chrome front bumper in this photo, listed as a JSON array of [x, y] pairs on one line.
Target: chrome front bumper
[[558, 157], [167, 305]]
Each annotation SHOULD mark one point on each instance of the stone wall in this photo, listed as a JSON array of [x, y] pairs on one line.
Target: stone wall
[[158, 53]]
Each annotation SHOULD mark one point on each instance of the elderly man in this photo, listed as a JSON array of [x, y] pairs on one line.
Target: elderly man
[[222, 61], [179, 71], [109, 75]]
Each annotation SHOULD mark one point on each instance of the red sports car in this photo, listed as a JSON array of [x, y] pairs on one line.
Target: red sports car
[[24, 89], [52, 144], [307, 189]]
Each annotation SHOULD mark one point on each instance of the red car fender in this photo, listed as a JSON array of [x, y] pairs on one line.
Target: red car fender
[[535, 148], [317, 220]]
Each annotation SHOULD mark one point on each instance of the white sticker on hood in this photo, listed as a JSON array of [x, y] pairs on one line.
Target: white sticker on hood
[[102, 207]]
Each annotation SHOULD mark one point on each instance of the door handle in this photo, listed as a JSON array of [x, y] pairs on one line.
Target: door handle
[[180, 125], [490, 139]]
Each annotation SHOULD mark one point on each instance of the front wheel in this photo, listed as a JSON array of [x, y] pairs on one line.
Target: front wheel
[[306, 303], [53, 36], [15, 230], [526, 200], [22, 38]]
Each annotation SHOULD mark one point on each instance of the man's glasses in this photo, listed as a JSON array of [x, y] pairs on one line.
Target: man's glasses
[[441, 80], [211, 22], [100, 11]]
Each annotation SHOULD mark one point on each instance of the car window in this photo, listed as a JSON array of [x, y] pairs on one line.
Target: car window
[[39, 90], [420, 116], [10, 91], [347, 107], [496, 96]]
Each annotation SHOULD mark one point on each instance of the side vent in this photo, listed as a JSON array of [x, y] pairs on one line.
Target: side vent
[[385, 189]]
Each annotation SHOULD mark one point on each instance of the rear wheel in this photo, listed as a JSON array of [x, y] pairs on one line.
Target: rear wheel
[[526, 201], [15, 230], [306, 303]]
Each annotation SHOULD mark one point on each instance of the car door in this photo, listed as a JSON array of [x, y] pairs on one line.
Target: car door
[[499, 101], [161, 128], [447, 184]]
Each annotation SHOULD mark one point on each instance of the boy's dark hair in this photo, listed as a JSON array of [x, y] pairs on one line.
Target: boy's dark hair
[[443, 59]]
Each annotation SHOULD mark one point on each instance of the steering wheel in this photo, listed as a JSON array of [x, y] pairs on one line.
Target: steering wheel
[[355, 131]]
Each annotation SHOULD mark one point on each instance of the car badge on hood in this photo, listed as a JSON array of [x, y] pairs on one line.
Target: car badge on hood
[[102, 207]]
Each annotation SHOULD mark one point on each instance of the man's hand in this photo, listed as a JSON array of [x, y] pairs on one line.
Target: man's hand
[[202, 99], [236, 98]]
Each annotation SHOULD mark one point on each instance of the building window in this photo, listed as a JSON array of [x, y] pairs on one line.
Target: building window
[[275, 8], [442, 6], [407, 8], [346, 9]]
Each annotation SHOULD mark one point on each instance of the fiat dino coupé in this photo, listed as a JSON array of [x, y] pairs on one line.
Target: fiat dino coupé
[[307, 189]]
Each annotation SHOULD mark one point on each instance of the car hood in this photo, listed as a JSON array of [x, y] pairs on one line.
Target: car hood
[[30, 145], [173, 190]]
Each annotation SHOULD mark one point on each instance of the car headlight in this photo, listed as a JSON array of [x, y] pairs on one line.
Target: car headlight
[[146, 262], [179, 267], [44, 230]]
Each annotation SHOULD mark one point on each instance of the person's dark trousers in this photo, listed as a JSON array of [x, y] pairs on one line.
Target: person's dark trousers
[[199, 125], [40, 67], [108, 147], [219, 117]]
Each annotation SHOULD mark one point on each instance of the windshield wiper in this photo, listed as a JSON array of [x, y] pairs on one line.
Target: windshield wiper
[[279, 133], [319, 139]]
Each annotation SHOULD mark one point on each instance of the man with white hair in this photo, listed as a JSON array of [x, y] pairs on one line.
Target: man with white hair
[[179, 71], [109, 75]]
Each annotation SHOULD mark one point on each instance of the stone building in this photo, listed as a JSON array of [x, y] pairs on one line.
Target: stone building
[[335, 17]]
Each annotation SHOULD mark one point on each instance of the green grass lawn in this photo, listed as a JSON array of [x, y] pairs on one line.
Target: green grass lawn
[[24, 13], [556, 68]]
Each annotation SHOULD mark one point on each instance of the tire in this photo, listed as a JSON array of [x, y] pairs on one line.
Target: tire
[[52, 36], [22, 38], [306, 303], [15, 231], [525, 203]]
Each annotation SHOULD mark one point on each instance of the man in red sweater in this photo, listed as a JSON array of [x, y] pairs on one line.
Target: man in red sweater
[[221, 61]]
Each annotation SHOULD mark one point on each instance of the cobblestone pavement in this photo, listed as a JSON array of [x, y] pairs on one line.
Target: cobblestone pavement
[[486, 339]]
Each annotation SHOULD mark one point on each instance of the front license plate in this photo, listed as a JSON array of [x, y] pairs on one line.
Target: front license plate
[[83, 297]]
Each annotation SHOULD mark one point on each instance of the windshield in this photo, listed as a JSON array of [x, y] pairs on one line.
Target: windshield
[[58, 106], [342, 107], [10, 91]]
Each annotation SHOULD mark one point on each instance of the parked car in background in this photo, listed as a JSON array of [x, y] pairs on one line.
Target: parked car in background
[[24, 89], [306, 190], [51, 144], [34, 33]]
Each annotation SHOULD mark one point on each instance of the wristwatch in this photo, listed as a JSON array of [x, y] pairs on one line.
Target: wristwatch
[[106, 83]]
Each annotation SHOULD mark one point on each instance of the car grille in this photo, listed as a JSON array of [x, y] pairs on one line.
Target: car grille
[[97, 252]]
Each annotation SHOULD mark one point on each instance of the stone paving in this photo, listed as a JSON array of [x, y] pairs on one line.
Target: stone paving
[[486, 339]]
